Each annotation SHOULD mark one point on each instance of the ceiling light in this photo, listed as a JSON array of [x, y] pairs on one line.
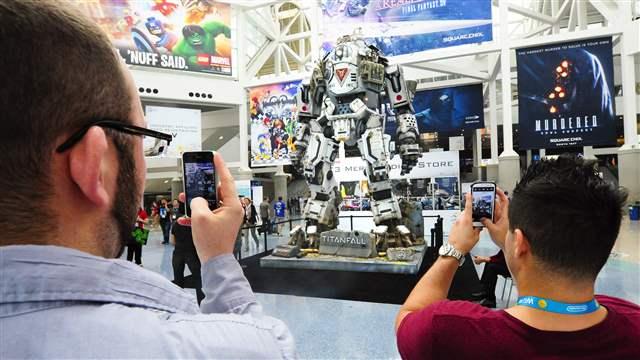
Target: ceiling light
[[166, 181], [220, 137]]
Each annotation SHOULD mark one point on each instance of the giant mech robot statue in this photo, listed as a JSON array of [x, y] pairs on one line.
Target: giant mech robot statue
[[341, 103]]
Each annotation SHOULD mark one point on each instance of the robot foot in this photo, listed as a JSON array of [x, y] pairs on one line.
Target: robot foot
[[391, 236]]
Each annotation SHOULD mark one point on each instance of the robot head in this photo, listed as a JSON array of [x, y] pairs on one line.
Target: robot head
[[154, 26], [194, 34]]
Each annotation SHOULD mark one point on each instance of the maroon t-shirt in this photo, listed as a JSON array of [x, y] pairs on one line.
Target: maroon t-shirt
[[464, 330]]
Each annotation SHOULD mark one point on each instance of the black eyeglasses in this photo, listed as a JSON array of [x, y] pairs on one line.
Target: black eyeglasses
[[159, 147]]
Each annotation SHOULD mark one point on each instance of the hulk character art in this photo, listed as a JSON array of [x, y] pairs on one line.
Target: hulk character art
[[198, 41]]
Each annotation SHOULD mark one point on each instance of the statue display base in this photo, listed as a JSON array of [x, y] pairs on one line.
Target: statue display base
[[380, 264]]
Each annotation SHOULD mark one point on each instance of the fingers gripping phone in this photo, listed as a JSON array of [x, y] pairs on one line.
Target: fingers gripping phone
[[484, 201], [199, 178]]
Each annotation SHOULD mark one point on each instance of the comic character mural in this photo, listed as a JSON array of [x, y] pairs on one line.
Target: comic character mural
[[191, 35], [272, 109]]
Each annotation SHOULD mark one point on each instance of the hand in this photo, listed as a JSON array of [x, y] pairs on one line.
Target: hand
[[463, 236], [214, 233], [498, 229]]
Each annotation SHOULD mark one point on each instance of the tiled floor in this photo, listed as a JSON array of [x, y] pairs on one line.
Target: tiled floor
[[331, 329]]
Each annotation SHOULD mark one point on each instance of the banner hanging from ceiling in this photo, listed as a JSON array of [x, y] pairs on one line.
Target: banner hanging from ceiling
[[565, 95], [444, 110], [188, 35], [404, 27], [272, 123]]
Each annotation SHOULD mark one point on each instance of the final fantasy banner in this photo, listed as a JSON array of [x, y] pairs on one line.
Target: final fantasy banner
[[565, 95], [272, 116], [187, 35], [406, 26], [444, 110]]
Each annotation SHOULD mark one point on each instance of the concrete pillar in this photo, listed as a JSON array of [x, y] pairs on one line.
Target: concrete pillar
[[509, 160], [477, 154], [280, 184], [629, 153], [176, 187], [529, 157], [542, 153], [492, 166]]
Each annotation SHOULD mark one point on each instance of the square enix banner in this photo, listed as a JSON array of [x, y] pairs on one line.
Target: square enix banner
[[272, 111], [405, 26], [187, 35], [565, 95]]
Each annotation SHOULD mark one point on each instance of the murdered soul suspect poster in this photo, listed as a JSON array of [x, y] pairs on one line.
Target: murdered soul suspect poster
[[565, 95]]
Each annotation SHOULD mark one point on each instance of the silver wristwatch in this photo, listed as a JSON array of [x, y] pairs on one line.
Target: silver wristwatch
[[448, 250]]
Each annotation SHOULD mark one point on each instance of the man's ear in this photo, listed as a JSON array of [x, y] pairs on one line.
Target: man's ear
[[521, 246], [86, 164]]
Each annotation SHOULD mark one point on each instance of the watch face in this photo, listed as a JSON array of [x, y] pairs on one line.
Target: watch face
[[444, 249]]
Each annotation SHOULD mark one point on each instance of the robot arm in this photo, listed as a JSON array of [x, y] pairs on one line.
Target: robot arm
[[400, 96], [309, 102]]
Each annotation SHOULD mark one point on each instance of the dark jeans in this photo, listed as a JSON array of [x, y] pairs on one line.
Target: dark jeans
[[180, 258], [490, 278], [166, 230], [265, 225], [134, 248]]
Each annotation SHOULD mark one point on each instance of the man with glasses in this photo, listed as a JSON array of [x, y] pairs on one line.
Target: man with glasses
[[72, 128]]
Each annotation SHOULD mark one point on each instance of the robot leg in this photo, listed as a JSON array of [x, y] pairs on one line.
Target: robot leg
[[321, 210], [389, 229]]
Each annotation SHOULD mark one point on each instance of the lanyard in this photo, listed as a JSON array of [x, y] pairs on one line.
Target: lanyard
[[559, 307]]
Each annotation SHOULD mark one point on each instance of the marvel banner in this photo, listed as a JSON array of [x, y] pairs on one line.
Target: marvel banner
[[189, 35], [405, 26], [565, 95], [272, 116], [444, 110]]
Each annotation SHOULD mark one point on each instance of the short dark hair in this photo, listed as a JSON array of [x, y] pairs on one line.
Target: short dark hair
[[280, 198], [189, 30], [569, 214], [60, 72]]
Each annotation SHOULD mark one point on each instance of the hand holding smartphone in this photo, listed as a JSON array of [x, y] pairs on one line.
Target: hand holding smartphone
[[483, 195], [199, 175]]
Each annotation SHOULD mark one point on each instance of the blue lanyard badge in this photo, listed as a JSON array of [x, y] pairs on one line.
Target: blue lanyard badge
[[559, 307]]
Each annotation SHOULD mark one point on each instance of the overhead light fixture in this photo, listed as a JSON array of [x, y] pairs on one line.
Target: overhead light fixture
[[166, 181], [220, 137]]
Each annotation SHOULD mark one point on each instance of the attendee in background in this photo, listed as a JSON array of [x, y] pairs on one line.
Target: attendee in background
[[264, 215], [556, 234], [64, 294], [250, 221], [164, 213], [279, 208], [184, 252], [134, 247], [155, 218], [494, 266], [177, 208]]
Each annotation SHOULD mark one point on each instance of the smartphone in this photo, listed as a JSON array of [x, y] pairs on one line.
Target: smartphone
[[199, 178], [483, 195]]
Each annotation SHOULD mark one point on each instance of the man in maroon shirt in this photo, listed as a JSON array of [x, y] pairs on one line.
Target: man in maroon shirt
[[556, 234]]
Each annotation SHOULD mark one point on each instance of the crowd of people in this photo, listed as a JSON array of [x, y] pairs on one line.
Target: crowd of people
[[65, 294]]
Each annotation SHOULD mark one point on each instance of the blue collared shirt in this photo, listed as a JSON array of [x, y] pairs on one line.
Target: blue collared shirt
[[57, 302]]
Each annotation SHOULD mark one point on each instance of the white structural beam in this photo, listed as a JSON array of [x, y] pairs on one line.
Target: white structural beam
[[529, 13], [505, 65], [604, 9], [452, 70]]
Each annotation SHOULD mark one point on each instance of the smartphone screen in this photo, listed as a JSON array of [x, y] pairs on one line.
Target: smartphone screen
[[484, 197], [199, 178]]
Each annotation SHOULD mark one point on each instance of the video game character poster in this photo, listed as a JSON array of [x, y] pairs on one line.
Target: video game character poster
[[565, 95], [404, 27], [272, 115], [187, 35], [444, 110]]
